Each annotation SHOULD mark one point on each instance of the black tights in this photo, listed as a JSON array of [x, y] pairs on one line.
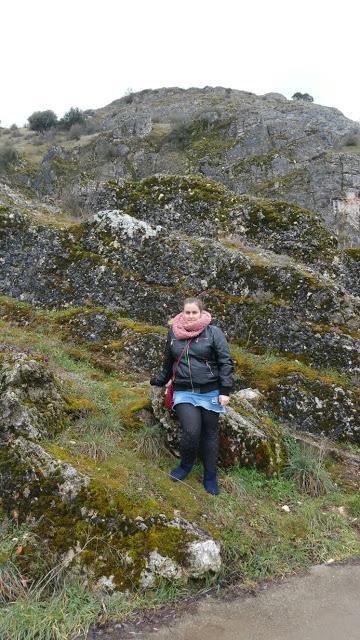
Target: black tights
[[199, 430]]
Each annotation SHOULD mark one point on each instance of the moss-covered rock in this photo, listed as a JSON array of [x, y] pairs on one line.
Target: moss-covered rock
[[128, 345], [57, 169], [351, 260], [31, 403], [321, 408], [126, 263], [201, 206], [320, 402], [136, 267], [288, 228], [78, 518], [135, 350]]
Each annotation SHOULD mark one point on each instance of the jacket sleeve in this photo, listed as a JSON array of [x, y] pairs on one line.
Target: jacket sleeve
[[167, 366], [224, 361]]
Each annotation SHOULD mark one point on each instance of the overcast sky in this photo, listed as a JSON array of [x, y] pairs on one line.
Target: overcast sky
[[58, 54]]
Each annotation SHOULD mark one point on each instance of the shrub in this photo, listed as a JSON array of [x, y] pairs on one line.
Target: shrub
[[90, 126], [179, 137], [38, 141], [42, 120], [106, 149], [15, 133], [352, 139], [77, 204], [75, 131], [87, 128], [302, 96], [128, 97], [71, 117], [8, 155]]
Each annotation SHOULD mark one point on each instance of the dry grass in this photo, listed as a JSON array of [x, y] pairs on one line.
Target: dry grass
[[150, 442], [32, 146], [232, 485], [306, 466]]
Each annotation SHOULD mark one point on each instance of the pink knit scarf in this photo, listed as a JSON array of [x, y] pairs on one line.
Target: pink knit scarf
[[184, 328]]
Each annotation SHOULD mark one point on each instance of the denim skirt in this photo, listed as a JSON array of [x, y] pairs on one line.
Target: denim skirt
[[208, 400]]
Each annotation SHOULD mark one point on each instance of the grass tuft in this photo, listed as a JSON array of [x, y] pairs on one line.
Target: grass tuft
[[64, 614], [306, 466], [150, 442]]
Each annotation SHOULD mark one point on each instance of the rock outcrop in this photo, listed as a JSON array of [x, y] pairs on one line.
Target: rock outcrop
[[321, 402], [78, 518], [142, 269]]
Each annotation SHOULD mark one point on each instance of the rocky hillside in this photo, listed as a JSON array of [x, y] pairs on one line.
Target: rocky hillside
[[266, 146], [251, 202]]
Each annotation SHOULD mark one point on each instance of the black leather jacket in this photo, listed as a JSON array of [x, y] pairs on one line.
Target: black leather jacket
[[209, 365]]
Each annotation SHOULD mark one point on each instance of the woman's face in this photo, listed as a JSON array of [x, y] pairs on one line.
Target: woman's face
[[191, 311]]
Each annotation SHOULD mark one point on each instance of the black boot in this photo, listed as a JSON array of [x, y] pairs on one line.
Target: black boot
[[180, 472], [210, 482]]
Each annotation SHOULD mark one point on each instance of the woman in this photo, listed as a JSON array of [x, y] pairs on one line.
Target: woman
[[202, 385]]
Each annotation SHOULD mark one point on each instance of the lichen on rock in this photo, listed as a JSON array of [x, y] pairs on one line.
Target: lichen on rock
[[327, 409], [31, 404], [78, 518], [117, 220]]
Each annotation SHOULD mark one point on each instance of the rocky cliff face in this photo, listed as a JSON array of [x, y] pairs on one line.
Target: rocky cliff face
[[130, 262], [261, 145]]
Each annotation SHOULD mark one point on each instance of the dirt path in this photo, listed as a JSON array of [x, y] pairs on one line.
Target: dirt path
[[322, 605]]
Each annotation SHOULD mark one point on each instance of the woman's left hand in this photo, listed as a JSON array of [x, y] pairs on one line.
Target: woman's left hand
[[224, 400]]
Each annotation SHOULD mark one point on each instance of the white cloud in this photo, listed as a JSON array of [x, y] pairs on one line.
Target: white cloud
[[61, 54]]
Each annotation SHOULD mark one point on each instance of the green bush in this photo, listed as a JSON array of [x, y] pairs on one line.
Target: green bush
[[71, 117], [42, 120], [8, 155]]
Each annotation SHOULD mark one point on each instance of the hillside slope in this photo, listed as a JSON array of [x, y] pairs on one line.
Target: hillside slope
[[266, 146]]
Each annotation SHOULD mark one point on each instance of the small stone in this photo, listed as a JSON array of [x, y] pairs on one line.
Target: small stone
[[286, 508]]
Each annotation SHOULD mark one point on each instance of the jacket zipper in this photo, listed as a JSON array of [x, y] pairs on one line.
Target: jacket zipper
[[186, 353], [210, 369], [189, 365]]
